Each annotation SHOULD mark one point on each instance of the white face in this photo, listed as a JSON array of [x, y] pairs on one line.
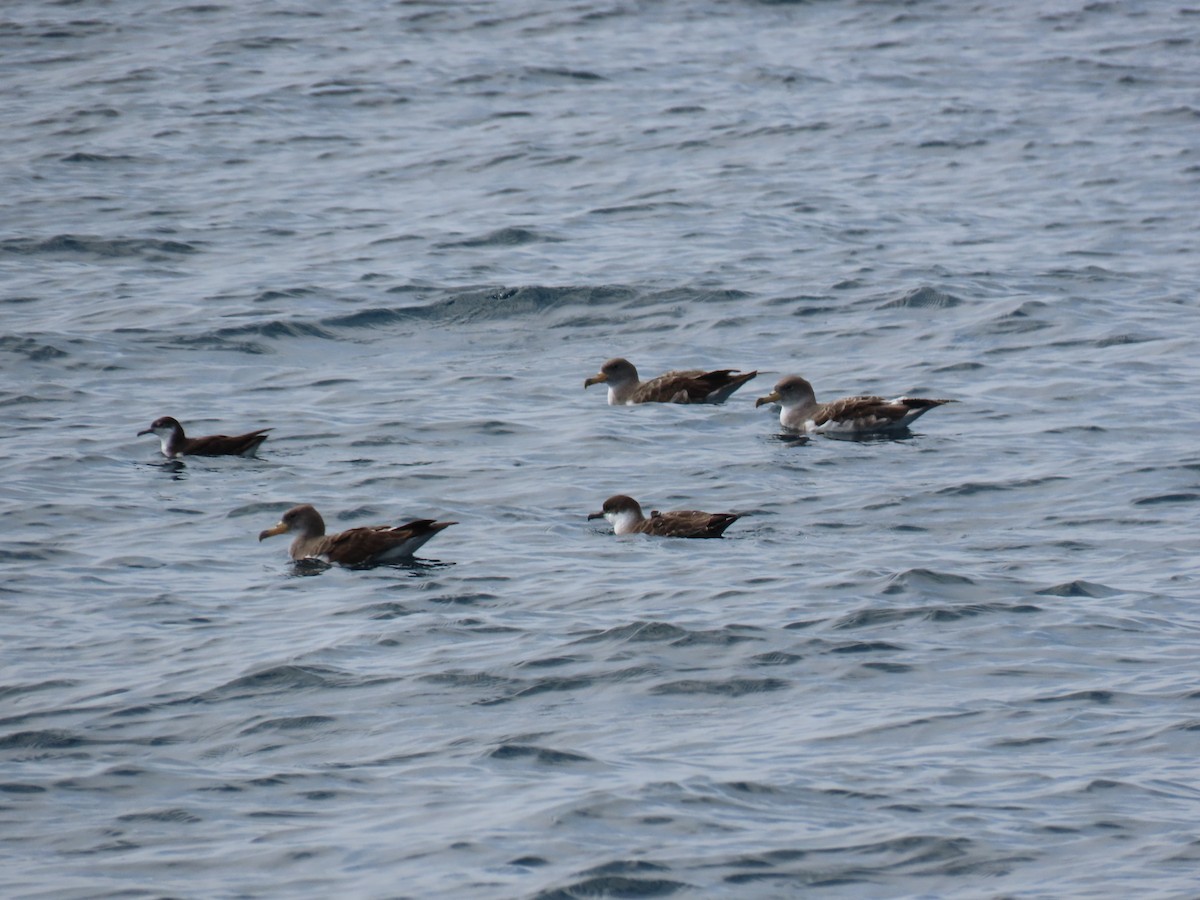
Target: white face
[[622, 521]]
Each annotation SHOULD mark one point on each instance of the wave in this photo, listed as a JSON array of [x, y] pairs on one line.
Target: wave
[[74, 245]]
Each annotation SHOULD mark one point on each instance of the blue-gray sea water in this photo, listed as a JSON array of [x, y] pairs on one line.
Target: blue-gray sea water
[[961, 662]]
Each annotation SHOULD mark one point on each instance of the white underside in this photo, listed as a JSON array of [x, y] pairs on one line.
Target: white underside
[[845, 426]]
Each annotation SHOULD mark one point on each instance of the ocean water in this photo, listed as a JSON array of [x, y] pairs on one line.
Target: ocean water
[[960, 662]]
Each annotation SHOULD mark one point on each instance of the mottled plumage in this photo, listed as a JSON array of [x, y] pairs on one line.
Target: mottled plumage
[[684, 386], [356, 546], [176, 443], [625, 515], [800, 410]]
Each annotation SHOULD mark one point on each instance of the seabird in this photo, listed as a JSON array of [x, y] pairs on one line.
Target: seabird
[[356, 546], [626, 517], [176, 443], [686, 386], [800, 410]]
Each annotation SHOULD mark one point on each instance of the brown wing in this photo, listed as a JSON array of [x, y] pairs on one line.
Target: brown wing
[[874, 413], [363, 544], [688, 523], [226, 445], [691, 386], [859, 409]]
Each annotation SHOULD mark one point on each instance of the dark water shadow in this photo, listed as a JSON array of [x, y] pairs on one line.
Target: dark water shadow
[[175, 468], [178, 469], [790, 438], [873, 437], [306, 568]]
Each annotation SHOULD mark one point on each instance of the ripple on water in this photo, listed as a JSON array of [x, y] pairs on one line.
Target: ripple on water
[[960, 661]]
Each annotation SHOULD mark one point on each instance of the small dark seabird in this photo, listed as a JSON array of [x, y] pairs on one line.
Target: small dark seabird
[[800, 410], [626, 517], [356, 546], [688, 386], [175, 443]]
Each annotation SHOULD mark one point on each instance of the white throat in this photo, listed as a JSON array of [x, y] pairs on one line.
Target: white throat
[[620, 392], [164, 437], [802, 411], [623, 522]]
